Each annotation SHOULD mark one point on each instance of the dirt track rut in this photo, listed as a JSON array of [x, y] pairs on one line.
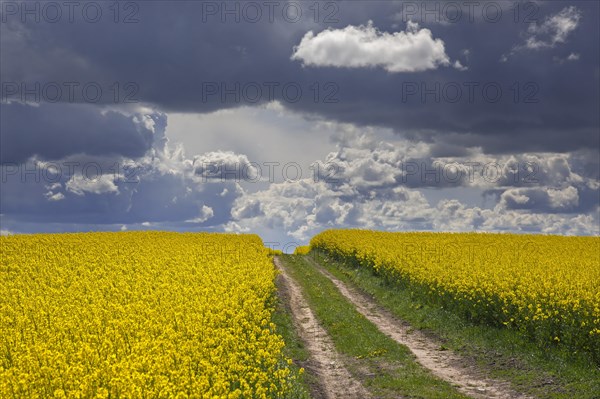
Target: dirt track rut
[[335, 381], [442, 363]]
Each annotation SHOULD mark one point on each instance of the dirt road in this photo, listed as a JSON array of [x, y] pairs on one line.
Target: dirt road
[[443, 363], [334, 380]]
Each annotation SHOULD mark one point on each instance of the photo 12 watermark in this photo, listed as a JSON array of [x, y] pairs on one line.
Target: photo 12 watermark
[[266, 171], [90, 92], [470, 92], [57, 172], [326, 12], [408, 173], [449, 254], [268, 91], [72, 12], [434, 172], [471, 172], [454, 12]]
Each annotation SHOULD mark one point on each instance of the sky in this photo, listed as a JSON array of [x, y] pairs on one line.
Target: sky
[[285, 118]]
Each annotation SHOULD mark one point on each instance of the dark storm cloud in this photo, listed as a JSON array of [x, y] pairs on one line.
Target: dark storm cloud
[[522, 91], [54, 131], [95, 166], [182, 59]]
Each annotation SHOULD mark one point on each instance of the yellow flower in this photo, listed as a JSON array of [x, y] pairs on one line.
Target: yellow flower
[[536, 284], [139, 314]]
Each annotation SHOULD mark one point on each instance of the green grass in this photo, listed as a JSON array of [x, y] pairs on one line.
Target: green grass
[[551, 373], [385, 368], [294, 348]]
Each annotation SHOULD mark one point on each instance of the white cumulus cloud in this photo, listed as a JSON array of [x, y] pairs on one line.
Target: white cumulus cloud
[[553, 30], [206, 212], [102, 184], [225, 165], [365, 46]]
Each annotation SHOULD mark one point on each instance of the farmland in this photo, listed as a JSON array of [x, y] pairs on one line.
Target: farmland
[[144, 314], [533, 284], [205, 315]]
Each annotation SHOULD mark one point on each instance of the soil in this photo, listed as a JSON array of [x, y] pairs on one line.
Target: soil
[[324, 362], [429, 352]]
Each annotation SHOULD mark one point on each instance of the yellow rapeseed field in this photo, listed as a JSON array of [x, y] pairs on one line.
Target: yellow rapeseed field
[[139, 315], [546, 287], [302, 250]]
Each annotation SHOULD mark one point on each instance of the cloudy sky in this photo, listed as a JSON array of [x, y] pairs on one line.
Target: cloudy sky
[[285, 118]]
